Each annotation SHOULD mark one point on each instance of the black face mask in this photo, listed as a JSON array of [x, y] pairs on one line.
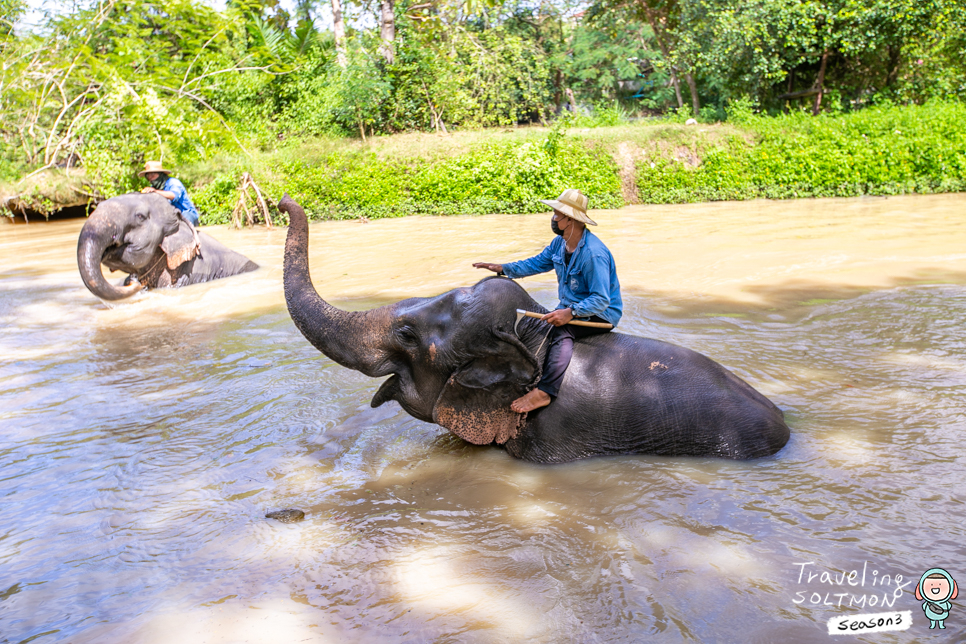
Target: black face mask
[[555, 228], [158, 184]]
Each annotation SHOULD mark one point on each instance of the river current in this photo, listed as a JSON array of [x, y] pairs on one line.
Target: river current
[[142, 444]]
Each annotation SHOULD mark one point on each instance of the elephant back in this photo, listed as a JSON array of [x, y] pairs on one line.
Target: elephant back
[[624, 394]]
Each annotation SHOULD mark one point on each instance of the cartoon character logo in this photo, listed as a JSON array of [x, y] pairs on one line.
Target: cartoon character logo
[[935, 589]]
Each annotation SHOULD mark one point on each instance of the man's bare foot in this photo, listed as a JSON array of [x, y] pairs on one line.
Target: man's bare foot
[[534, 399]]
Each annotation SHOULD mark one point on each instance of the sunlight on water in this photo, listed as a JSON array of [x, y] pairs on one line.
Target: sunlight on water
[[142, 443]]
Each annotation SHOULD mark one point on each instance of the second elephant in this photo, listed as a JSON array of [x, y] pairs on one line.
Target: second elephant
[[147, 237]]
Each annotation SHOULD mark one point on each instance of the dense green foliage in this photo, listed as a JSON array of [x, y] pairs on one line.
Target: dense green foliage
[[108, 84], [879, 151], [821, 54], [508, 177], [117, 83]]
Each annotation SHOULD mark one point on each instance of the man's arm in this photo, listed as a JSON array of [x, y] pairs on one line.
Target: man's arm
[[164, 193], [559, 317], [496, 268], [533, 266], [524, 268]]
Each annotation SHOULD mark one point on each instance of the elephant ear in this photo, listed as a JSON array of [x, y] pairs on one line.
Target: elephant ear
[[182, 245], [475, 403]]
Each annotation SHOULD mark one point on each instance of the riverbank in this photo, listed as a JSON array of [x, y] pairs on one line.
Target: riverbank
[[882, 150]]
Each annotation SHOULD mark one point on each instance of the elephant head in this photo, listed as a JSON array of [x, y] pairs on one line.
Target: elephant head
[[133, 233], [454, 359]]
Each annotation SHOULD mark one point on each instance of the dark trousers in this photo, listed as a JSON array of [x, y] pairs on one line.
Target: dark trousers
[[560, 351]]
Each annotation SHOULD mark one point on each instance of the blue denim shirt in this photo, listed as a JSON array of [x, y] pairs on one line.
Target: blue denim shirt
[[182, 201], [588, 286]]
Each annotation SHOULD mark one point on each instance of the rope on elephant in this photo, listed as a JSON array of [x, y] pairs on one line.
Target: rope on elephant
[[545, 336], [257, 203]]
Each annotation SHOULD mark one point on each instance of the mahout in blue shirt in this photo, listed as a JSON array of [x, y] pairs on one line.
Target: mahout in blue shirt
[[588, 285], [182, 201]]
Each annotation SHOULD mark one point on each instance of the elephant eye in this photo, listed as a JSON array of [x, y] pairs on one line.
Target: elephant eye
[[140, 216], [407, 335]]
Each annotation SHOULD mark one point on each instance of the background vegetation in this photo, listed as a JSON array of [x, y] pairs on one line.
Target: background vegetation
[[817, 97]]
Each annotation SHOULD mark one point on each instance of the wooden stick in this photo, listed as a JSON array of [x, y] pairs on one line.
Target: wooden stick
[[596, 325]]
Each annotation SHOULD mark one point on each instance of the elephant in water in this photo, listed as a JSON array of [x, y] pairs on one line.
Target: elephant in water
[[147, 237], [456, 360]]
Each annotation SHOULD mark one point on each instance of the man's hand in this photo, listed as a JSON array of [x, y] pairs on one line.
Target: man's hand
[[147, 189], [559, 317], [496, 268]]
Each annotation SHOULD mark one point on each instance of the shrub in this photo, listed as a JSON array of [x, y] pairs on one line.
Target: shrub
[[880, 150]]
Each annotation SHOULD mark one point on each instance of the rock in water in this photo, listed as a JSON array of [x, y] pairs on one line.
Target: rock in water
[[286, 516]]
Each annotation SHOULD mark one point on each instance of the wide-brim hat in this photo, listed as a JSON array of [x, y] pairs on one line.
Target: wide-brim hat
[[573, 204], [153, 166]]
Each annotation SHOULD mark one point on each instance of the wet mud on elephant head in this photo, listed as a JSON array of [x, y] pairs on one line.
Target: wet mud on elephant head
[[148, 238], [456, 360]]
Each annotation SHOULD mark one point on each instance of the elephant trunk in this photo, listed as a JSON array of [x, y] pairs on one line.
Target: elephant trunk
[[97, 236], [353, 339]]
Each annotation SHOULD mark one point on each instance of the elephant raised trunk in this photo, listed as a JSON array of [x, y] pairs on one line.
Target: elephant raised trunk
[[96, 237], [353, 339]]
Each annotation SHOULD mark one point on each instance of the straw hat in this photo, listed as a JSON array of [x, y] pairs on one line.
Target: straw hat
[[153, 166], [572, 203]]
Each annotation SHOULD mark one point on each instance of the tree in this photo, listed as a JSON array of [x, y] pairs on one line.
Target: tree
[[387, 30], [338, 28], [121, 79], [10, 12], [611, 56], [786, 50], [672, 24]]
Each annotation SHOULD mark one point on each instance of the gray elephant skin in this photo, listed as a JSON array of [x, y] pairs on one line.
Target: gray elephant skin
[[455, 360], [148, 238]]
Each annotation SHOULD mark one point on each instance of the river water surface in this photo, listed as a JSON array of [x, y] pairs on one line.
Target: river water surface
[[142, 444]]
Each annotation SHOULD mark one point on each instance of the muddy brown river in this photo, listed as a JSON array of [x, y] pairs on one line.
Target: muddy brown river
[[142, 444]]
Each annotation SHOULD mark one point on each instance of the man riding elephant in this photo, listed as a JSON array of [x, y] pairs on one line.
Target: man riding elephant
[[171, 189], [461, 358], [587, 286], [145, 236]]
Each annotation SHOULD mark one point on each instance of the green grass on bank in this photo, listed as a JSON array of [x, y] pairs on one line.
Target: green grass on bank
[[879, 150], [460, 174]]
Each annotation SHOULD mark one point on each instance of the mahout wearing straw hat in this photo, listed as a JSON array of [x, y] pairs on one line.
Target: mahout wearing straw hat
[[572, 203], [153, 166]]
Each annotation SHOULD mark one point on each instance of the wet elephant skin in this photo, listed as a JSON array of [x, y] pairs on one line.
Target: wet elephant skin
[[455, 360]]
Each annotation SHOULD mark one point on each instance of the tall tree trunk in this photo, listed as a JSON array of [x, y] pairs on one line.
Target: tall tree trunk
[[338, 27], [895, 58], [677, 89], [820, 84], [791, 84], [695, 102], [655, 22], [573, 101], [387, 31]]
